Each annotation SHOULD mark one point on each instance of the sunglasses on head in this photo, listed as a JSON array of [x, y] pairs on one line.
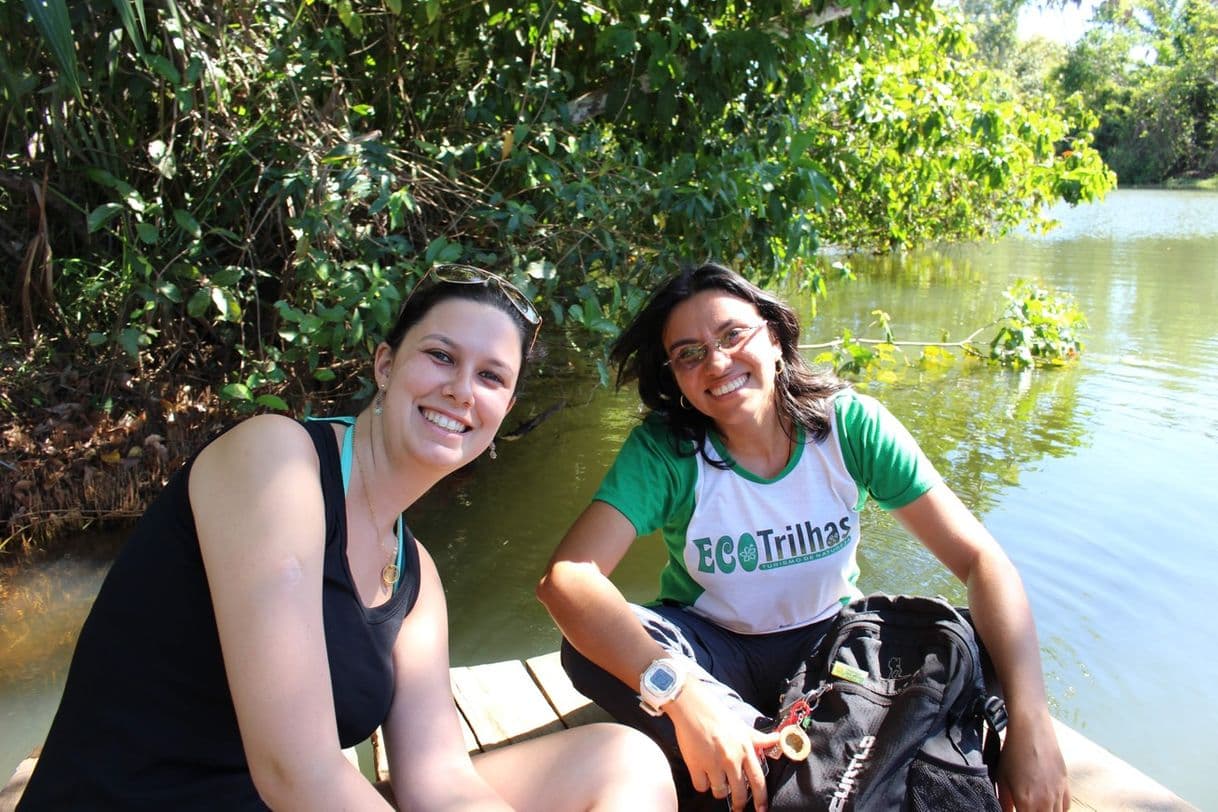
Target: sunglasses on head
[[470, 275]]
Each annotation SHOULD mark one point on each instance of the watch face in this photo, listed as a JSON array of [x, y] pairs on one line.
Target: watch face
[[662, 679]]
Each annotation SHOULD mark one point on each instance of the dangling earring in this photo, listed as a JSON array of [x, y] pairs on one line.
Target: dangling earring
[[684, 403], [378, 405], [491, 451], [779, 366]]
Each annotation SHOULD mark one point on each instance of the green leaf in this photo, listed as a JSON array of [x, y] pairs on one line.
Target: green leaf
[[130, 339], [199, 301], [170, 291], [350, 17], [227, 304], [103, 214], [441, 250], [51, 19], [164, 67], [187, 222], [236, 391], [228, 276], [272, 402], [287, 312], [132, 15], [147, 233]]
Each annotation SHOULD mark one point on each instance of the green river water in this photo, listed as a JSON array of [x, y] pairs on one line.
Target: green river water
[[1098, 480]]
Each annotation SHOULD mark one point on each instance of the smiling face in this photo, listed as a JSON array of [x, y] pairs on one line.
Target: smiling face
[[733, 387], [449, 384]]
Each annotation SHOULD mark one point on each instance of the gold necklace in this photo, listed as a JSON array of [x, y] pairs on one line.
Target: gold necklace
[[389, 573]]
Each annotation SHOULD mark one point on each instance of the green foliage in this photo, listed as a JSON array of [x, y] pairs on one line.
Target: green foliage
[[252, 187], [1038, 328], [1147, 69], [929, 146]]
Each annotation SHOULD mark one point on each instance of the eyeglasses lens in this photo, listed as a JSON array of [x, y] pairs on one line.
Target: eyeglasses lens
[[691, 356]]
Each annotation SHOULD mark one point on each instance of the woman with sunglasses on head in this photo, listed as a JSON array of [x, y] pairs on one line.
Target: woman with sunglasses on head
[[271, 608], [754, 467]]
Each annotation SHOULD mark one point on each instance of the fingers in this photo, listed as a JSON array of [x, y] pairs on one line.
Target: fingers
[[1033, 801], [1004, 797], [718, 786], [741, 785], [755, 776], [701, 781], [764, 741]]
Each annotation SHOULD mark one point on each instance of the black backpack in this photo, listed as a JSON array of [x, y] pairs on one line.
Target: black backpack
[[896, 711]]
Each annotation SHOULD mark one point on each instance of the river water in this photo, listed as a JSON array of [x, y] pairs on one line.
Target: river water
[[1098, 480]]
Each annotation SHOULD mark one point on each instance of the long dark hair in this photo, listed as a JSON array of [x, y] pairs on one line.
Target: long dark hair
[[435, 291], [802, 394]]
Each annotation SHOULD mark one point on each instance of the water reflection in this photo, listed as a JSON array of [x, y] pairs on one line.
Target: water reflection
[[41, 611]]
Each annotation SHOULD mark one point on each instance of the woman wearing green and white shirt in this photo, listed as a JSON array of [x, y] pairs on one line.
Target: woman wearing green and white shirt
[[755, 468]]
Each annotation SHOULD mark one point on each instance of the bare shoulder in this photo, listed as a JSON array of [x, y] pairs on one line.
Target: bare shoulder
[[429, 574], [262, 473], [256, 446]]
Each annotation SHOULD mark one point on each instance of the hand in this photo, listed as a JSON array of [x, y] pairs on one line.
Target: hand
[[722, 752], [1032, 773]]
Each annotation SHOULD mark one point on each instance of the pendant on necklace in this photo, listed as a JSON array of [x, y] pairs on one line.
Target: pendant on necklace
[[389, 575]]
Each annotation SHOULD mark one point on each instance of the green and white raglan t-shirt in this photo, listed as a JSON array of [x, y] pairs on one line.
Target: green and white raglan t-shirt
[[761, 555]]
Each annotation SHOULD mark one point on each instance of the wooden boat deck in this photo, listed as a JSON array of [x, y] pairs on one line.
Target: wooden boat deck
[[511, 701]]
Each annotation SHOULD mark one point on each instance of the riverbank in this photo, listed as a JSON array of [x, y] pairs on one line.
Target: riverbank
[[1207, 184], [72, 467], [83, 449]]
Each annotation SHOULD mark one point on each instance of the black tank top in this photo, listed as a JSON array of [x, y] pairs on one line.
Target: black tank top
[[147, 720]]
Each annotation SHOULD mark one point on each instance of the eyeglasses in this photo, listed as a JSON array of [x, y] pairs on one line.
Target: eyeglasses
[[691, 356], [471, 275]]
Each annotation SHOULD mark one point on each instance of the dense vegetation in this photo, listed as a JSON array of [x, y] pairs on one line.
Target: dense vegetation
[[234, 196], [1148, 71]]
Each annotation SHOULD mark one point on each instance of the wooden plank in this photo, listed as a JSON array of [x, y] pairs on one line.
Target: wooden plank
[[380, 756], [572, 707], [502, 703], [471, 741]]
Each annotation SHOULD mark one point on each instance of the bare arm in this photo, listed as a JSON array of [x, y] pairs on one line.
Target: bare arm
[[1034, 773], [428, 761], [593, 615], [590, 611], [259, 510]]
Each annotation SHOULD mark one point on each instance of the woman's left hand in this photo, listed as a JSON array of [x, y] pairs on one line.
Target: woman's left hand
[[1032, 772]]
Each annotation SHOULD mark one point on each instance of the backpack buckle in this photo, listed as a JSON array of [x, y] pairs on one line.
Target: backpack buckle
[[995, 713]]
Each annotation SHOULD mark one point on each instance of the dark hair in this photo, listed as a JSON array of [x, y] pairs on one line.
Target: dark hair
[[802, 394], [420, 302]]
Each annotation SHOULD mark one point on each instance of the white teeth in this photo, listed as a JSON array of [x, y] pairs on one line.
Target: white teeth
[[443, 421], [730, 386]]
